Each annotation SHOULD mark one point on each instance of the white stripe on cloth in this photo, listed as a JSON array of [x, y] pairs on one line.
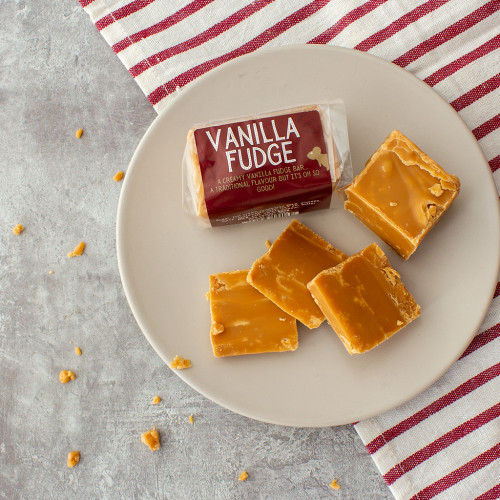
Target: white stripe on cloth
[[224, 43], [422, 29], [457, 46], [454, 414], [492, 317], [462, 371], [150, 15], [457, 454], [98, 9], [480, 359], [433, 470], [190, 27], [484, 479], [465, 77], [479, 112], [496, 175], [432, 428]]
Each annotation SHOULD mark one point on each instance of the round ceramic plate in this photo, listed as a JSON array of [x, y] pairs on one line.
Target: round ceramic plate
[[165, 260]]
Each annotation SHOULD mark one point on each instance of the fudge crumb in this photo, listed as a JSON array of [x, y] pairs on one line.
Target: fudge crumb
[[268, 244], [334, 485], [118, 176], [156, 400], [51, 272], [180, 363], [79, 133], [191, 419], [436, 190], [18, 229], [392, 275], [73, 458], [151, 439], [216, 328], [65, 376], [78, 351], [78, 250], [431, 210], [243, 476]]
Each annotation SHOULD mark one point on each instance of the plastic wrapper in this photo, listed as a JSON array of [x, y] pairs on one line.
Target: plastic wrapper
[[277, 164]]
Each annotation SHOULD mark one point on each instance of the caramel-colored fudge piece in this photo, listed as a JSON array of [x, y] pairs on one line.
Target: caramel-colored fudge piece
[[401, 193], [246, 322], [335, 485], [364, 299], [73, 458], [18, 229], [151, 439], [293, 260], [78, 250], [65, 376], [179, 363], [118, 176]]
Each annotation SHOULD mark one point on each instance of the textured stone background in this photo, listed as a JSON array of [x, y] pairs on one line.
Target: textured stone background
[[56, 75]]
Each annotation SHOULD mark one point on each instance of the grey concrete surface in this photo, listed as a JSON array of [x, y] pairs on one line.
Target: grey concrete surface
[[56, 75]]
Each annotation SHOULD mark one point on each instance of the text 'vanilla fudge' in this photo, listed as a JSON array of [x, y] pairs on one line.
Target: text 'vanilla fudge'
[[271, 165]]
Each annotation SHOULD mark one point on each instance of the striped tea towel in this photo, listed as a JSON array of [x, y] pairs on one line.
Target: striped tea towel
[[446, 442]]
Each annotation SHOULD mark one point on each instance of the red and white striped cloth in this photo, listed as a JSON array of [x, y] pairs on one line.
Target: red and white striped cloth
[[446, 442]]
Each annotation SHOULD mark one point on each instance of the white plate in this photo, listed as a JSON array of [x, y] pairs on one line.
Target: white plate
[[165, 261]]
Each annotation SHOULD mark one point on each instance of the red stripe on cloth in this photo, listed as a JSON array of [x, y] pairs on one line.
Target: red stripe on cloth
[[399, 24], [449, 398], [487, 127], [207, 35], [491, 494], [84, 3], [441, 443], [346, 20], [495, 163], [463, 61], [477, 92], [497, 288], [448, 33], [122, 12], [164, 24], [269, 34], [457, 475], [482, 339]]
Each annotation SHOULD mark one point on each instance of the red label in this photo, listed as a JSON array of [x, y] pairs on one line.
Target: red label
[[264, 168]]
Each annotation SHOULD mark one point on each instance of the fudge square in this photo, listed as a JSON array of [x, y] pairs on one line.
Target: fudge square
[[401, 193], [364, 300], [282, 273], [244, 321]]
